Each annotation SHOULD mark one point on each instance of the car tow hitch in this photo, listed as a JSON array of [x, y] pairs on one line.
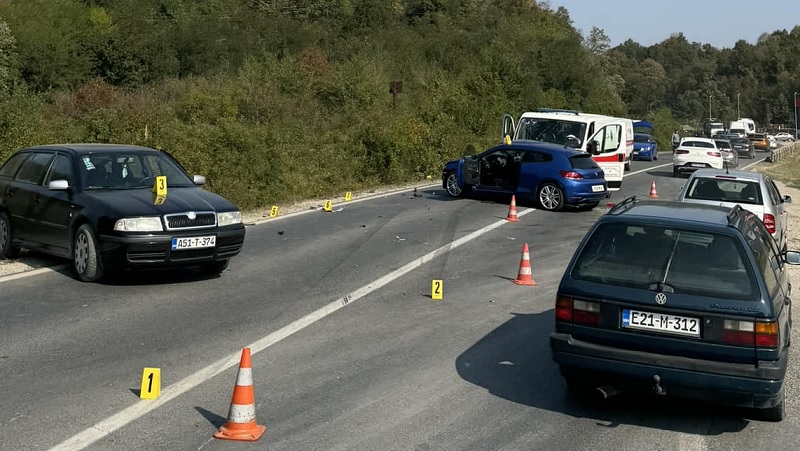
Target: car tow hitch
[[607, 391], [657, 387]]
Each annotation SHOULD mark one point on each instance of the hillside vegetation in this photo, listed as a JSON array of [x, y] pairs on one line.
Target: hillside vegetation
[[280, 100]]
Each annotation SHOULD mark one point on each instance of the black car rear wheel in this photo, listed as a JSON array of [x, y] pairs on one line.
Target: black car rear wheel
[[7, 250], [85, 258], [451, 182], [551, 197]]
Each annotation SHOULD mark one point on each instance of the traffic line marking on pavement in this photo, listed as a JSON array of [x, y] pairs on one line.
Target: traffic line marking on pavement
[[126, 416]]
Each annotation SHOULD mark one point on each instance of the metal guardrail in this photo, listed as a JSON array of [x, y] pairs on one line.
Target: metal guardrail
[[777, 155]]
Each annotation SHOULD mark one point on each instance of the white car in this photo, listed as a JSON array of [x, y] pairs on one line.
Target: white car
[[783, 136], [773, 142], [696, 153]]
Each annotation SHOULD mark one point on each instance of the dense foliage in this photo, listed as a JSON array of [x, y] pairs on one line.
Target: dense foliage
[[277, 100]]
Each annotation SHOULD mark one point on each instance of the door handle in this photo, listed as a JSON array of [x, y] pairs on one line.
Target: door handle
[[36, 199]]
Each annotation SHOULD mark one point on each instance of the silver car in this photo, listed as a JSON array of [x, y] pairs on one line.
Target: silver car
[[754, 191]]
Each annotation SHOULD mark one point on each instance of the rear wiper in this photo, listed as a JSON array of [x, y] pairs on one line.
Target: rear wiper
[[661, 286]]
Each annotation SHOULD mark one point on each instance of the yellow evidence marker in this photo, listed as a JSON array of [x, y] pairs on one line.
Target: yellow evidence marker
[[347, 196], [273, 212], [327, 206], [159, 200], [151, 383], [436, 290], [160, 186]]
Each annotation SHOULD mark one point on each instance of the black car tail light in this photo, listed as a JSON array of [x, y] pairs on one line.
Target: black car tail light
[[577, 312], [748, 333]]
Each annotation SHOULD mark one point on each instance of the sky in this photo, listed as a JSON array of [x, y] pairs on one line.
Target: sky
[[716, 22]]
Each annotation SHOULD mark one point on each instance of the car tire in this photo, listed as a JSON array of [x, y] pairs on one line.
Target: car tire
[[550, 197], [215, 267], [776, 413], [752, 155], [7, 250], [656, 156], [651, 157], [451, 185], [86, 260], [628, 165]]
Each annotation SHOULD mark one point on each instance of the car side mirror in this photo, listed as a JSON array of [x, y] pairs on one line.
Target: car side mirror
[[199, 180], [58, 185], [787, 199], [792, 257], [592, 146]]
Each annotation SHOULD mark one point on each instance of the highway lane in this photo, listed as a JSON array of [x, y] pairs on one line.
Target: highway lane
[[391, 371]]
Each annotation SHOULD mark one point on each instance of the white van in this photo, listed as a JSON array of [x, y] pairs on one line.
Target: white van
[[608, 139], [749, 125], [738, 128]]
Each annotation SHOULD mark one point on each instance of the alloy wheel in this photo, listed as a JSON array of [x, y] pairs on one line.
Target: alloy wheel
[[550, 197], [452, 185], [81, 253]]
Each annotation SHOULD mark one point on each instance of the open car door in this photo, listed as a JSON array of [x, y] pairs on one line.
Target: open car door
[[509, 127]]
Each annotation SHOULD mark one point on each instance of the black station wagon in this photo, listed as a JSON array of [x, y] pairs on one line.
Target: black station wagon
[[677, 299], [108, 206]]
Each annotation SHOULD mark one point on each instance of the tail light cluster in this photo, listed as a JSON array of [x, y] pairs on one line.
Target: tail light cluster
[[769, 222], [572, 175], [714, 154], [748, 333], [577, 312]]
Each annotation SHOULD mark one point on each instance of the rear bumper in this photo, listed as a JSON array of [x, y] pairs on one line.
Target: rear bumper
[[583, 194], [735, 384]]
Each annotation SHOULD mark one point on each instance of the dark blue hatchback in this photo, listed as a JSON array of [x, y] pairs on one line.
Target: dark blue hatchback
[[552, 175], [676, 299]]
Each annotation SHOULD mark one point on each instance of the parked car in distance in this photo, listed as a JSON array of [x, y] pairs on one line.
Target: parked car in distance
[[773, 142], [784, 136], [754, 191], [729, 156], [97, 205], [552, 175], [696, 153], [760, 141], [677, 299], [644, 147], [744, 147]]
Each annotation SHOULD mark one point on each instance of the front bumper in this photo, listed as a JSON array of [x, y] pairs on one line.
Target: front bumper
[[155, 250], [736, 384]]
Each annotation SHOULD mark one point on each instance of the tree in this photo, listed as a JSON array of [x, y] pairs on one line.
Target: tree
[[597, 41]]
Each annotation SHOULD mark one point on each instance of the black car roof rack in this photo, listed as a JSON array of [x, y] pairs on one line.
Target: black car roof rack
[[626, 201], [556, 110]]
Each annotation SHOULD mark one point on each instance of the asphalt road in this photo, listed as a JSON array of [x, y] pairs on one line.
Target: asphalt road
[[349, 349]]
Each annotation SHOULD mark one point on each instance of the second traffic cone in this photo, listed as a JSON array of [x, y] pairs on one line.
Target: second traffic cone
[[241, 424], [512, 210], [653, 189], [524, 276]]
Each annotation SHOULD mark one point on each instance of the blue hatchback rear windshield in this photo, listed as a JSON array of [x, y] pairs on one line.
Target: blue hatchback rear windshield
[[666, 259], [583, 161]]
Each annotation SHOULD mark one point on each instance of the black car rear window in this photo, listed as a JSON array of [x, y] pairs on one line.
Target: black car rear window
[[582, 162], [724, 190], [666, 259]]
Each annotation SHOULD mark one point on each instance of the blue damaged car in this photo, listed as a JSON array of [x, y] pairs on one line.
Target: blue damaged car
[[552, 175]]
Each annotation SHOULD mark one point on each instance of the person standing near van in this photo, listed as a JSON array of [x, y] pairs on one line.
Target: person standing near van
[[676, 140]]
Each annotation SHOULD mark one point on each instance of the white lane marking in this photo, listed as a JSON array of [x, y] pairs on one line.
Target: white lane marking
[[646, 169], [105, 427], [32, 272]]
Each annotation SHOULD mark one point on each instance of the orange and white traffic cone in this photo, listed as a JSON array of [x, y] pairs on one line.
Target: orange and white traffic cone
[[512, 210], [653, 192], [524, 276], [241, 424]]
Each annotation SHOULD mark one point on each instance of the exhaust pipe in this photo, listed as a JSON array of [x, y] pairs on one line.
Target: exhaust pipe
[[607, 391]]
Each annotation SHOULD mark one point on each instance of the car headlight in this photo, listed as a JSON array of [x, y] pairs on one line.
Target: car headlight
[[143, 224], [229, 218]]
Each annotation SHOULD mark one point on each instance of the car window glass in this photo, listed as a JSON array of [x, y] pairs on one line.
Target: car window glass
[[61, 169], [774, 192], [115, 170], [611, 137], [762, 245], [13, 164], [34, 168], [739, 191], [583, 161], [686, 261], [532, 156]]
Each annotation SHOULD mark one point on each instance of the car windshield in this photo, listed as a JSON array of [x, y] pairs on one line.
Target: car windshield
[[697, 144], [116, 170], [556, 131], [639, 138], [666, 259], [724, 190], [583, 161]]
